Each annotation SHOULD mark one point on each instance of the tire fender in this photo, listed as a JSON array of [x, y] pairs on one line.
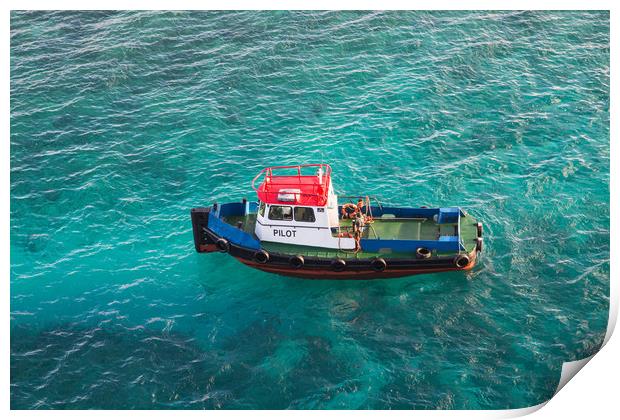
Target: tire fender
[[461, 261], [338, 264], [378, 264], [222, 245], [423, 253], [261, 256], [296, 261]]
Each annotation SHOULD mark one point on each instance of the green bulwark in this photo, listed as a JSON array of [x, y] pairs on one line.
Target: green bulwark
[[386, 227]]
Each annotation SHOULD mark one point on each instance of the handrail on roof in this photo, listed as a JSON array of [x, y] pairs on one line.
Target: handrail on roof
[[327, 170]]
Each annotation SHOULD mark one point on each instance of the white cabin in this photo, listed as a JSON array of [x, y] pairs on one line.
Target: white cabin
[[299, 209]]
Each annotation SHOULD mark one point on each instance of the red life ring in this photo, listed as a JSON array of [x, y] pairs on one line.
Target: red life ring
[[345, 210]]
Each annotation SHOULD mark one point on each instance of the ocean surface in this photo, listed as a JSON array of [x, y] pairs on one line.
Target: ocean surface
[[123, 121]]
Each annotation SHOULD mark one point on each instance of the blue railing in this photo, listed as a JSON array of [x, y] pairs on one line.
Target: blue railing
[[402, 245], [231, 233]]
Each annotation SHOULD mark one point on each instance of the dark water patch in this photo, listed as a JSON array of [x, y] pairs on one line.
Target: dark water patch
[[64, 122], [67, 368]]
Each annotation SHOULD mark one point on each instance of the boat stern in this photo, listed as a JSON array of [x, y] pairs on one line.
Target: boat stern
[[200, 222]]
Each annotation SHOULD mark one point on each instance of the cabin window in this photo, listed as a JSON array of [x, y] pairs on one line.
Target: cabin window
[[261, 209], [281, 213], [304, 214]]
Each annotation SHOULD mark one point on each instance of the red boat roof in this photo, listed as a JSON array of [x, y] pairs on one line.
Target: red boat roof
[[306, 185]]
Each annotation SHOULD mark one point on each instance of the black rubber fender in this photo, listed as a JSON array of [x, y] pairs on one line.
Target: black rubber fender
[[378, 264], [423, 253], [223, 245], [479, 244], [296, 261], [338, 264], [479, 229], [261, 256], [461, 261]]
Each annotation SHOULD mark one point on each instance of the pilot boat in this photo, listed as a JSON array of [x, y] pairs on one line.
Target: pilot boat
[[297, 228]]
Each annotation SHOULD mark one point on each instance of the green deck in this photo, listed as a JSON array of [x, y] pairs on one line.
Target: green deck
[[382, 228]]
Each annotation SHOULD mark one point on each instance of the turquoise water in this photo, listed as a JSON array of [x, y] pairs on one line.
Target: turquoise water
[[121, 122]]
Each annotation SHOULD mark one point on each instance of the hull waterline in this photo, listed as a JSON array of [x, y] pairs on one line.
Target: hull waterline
[[318, 274]]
